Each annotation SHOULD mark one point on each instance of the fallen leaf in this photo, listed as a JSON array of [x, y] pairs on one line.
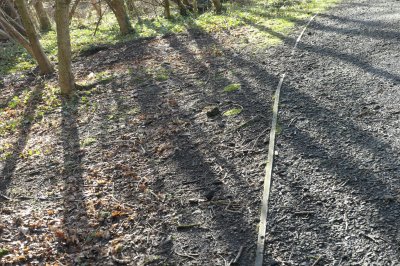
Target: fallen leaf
[[115, 214]]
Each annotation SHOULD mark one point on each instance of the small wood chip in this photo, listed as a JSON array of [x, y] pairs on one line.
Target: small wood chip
[[187, 226]]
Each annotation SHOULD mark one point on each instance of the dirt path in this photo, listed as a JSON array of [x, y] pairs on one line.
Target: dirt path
[[139, 172], [335, 196]]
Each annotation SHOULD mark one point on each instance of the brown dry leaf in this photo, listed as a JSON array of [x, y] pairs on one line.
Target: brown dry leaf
[[115, 214], [160, 149], [141, 117], [51, 212], [102, 182], [132, 174], [172, 102], [21, 258], [59, 234], [142, 187]]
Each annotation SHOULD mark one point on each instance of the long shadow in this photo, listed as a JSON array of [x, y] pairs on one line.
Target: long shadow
[[329, 52], [375, 30], [342, 165], [369, 142], [16, 93], [191, 164], [11, 161], [75, 216]]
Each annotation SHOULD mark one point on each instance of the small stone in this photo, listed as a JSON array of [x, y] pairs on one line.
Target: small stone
[[212, 111], [388, 198]]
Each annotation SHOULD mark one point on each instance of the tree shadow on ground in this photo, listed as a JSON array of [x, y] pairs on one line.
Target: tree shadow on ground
[[75, 222], [11, 161], [361, 138], [368, 185]]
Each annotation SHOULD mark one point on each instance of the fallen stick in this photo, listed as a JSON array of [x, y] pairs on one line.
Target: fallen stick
[[318, 260], [304, 212], [191, 256], [4, 197], [186, 226], [235, 261]]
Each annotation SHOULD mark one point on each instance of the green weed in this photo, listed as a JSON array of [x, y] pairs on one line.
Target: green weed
[[260, 23], [232, 87], [232, 112]]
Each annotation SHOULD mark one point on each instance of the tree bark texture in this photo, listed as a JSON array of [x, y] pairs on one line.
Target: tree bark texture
[[65, 75], [15, 34], [37, 50], [14, 20], [73, 9], [218, 6], [167, 10], [118, 8], [44, 21]]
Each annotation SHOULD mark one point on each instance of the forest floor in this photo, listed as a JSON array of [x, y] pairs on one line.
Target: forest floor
[[160, 161]]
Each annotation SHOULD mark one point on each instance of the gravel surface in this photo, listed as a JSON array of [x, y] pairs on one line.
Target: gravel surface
[[335, 195]]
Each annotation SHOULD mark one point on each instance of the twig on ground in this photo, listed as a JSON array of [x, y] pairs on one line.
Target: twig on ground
[[318, 260], [236, 260], [304, 212], [262, 134], [187, 226], [191, 256], [370, 237], [121, 261], [4, 197]]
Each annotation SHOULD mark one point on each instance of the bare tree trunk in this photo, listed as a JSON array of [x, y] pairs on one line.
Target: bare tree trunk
[[4, 35], [167, 10], [8, 7], [182, 8], [65, 75], [195, 7], [14, 21], [37, 50], [97, 7], [218, 6], [118, 8], [15, 34], [73, 8], [44, 20], [133, 10]]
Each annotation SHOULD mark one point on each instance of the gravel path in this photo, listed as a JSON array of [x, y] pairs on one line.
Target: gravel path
[[335, 195]]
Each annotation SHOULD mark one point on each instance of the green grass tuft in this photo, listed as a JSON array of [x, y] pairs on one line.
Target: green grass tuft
[[232, 87], [232, 112], [258, 23]]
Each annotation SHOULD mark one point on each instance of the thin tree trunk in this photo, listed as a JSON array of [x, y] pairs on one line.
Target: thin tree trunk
[[133, 10], [118, 8], [187, 4], [182, 8], [167, 10], [218, 6], [15, 34], [73, 9], [9, 9], [195, 7], [4, 35], [97, 7], [65, 75], [15, 22], [41, 13], [37, 50]]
